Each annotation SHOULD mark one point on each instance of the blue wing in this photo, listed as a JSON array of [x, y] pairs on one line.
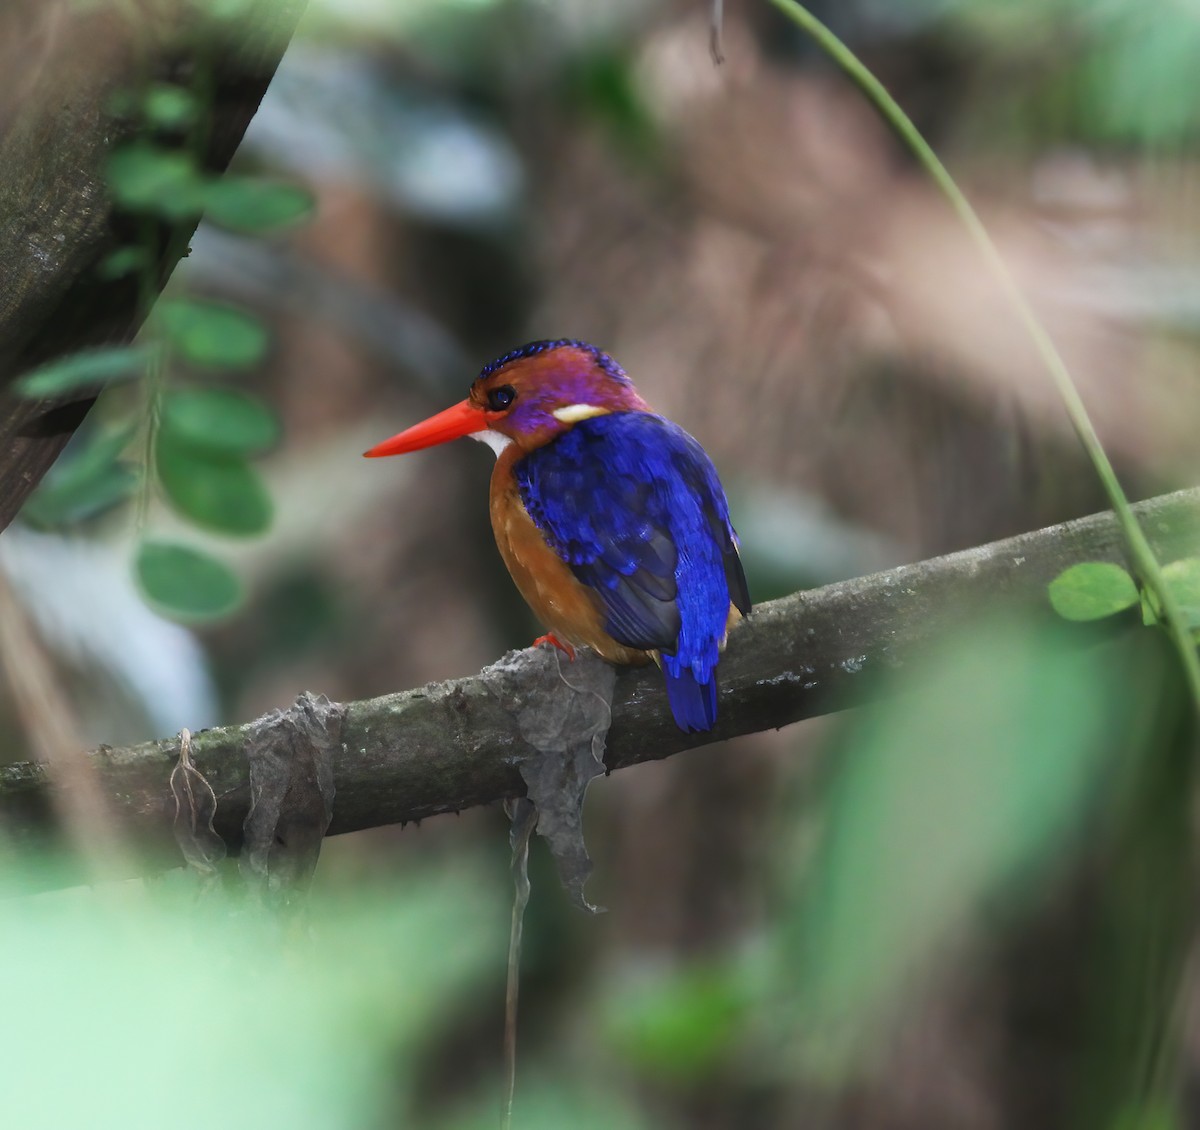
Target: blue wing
[[633, 505]]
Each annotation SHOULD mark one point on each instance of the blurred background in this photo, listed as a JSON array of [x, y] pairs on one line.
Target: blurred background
[[776, 274]]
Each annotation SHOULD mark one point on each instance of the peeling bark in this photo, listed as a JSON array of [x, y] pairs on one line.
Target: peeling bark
[[290, 756], [563, 711]]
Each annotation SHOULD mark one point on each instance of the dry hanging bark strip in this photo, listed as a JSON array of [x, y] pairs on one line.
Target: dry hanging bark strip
[[563, 713], [195, 811], [291, 795]]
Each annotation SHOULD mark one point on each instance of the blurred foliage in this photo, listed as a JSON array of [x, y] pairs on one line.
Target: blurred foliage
[[682, 1024], [253, 206], [201, 439], [1183, 580], [87, 483], [87, 369], [185, 583], [212, 335], [1108, 73], [605, 88], [222, 419], [947, 811], [193, 1007], [216, 491], [950, 795], [183, 999]]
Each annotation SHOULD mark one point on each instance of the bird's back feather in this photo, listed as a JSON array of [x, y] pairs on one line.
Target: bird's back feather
[[634, 507]]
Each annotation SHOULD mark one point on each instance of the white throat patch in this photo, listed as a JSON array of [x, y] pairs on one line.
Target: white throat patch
[[494, 440]]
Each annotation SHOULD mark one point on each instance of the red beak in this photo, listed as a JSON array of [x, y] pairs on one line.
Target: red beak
[[453, 423]]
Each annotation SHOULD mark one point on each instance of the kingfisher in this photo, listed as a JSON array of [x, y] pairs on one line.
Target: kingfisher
[[610, 518]]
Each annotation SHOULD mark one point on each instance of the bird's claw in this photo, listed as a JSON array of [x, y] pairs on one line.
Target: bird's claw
[[554, 641]]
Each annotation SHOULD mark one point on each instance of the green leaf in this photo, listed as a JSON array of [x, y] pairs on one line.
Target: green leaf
[[84, 483], [149, 178], [1183, 579], [56, 504], [606, 85], [124, 261], [221, 419], [87, 369], [1155, 1114], [170, 106], [1092, 590], [249, 204], [1135, 77], [212, 334], [221, 493], [186, 583], [680, 1025]]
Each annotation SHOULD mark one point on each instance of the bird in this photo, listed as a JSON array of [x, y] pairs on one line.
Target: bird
[[610, 518]]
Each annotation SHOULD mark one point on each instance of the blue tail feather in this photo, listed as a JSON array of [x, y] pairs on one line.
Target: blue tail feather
[[693, 703]]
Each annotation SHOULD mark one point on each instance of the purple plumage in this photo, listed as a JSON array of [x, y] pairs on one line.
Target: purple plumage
[[633, 504]]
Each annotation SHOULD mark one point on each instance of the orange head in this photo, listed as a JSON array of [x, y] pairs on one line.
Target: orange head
[[527, 397]]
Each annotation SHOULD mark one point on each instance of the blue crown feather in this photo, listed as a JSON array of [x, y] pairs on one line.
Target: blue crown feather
[[533, 348]]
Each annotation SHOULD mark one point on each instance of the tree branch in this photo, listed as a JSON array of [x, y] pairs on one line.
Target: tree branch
[[449, 746], [60, 65]]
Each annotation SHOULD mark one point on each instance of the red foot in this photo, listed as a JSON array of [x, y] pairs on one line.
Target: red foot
[[551, 638]]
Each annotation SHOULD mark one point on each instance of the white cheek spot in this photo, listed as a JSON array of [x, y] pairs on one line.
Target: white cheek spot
[[573, 413], [494, 440]]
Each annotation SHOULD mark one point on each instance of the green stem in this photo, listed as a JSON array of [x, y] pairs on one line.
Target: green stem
[[1145, 564], [524, 819], [154, 379]]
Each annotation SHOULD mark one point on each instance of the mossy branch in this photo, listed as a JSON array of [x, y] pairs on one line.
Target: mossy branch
[[449, 746]]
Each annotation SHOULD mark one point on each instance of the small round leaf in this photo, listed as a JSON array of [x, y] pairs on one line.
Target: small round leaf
[[681, 1025], [218, 492], [76, 497], [185, 583], [212, 334], [124, 261], [1092, 590], [170, 106], [149, 178], [1183, 579], [221, 420], [248, 204], [86, 369]]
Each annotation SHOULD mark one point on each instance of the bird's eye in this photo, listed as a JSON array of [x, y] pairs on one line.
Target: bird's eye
[[500, 398]]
